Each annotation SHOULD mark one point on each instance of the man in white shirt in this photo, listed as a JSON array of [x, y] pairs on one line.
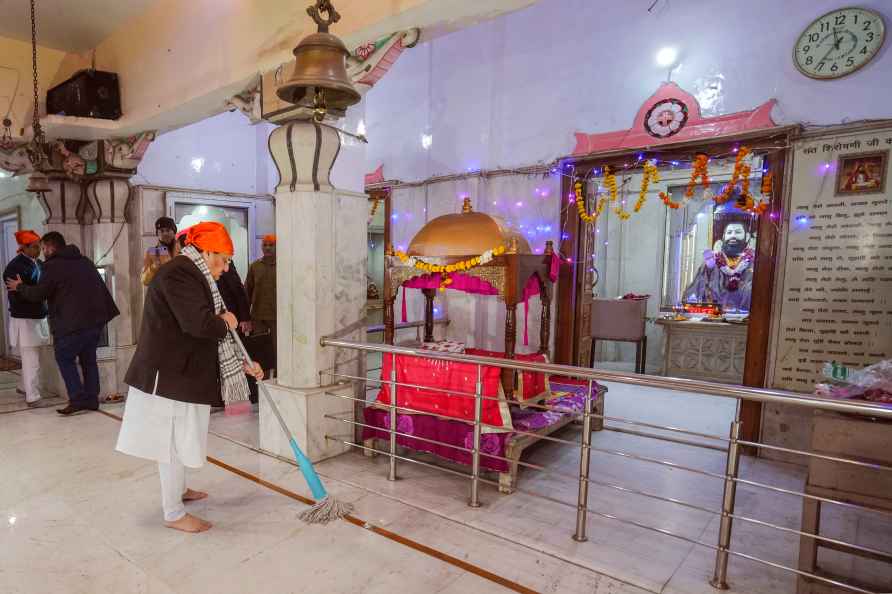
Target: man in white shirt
[[28, 326]]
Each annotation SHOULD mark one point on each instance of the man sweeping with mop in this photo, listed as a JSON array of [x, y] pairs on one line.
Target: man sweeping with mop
[[185, 362]]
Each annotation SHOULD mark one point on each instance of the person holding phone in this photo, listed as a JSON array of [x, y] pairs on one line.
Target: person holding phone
[[162, 253]]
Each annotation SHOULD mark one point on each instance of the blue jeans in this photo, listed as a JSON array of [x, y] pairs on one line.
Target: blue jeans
[[80, 346]]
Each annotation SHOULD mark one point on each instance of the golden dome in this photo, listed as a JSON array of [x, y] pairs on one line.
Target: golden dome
[[467, 233]]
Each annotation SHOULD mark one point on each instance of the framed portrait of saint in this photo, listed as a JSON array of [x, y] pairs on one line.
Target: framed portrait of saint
[[862, 173]]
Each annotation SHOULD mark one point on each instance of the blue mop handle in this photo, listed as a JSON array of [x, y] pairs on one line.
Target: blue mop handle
[[306, 467]]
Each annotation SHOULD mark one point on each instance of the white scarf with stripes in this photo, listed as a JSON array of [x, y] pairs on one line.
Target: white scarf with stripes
[[232, 373]]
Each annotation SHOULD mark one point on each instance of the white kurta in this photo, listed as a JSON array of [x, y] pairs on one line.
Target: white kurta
[[28, 336], [154, 425], [28, 333]]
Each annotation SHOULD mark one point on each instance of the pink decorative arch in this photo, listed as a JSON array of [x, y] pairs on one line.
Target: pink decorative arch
[[375, 177], [696, 126]]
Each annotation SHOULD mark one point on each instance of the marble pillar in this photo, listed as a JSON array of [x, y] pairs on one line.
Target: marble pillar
[[321, 271], [64, 208], [107, 201], [92, 215]]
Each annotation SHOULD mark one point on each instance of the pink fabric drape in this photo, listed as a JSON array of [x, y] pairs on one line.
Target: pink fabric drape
[[405, 317], [460, 282]]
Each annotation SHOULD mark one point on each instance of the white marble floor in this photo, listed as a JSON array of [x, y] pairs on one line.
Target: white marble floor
[[630, 554], [78, 517], [13, 400]]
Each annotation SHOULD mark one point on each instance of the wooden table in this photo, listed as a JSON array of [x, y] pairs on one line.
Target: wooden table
[[849, 436]]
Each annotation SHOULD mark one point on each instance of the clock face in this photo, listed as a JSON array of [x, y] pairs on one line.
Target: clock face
[[839, 43]]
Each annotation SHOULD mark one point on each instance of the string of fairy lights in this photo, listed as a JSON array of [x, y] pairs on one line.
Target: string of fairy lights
[[572, 171]]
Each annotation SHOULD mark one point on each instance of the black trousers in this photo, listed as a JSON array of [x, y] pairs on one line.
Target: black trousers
[[79, 347]]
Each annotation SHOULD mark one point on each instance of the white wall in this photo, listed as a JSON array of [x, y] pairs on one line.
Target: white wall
[[223, 153], [513, 90], [13, 196]]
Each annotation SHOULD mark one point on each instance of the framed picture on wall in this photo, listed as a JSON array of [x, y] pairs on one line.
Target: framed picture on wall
[[862, 173]]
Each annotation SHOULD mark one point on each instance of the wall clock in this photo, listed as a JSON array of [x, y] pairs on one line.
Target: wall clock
[[839, 43]]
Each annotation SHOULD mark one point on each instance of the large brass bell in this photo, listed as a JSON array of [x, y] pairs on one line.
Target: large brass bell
[[320, 71]]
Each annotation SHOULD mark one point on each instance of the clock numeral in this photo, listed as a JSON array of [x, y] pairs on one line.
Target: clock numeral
[[850, 62], [840, 19], [825, 26], [866, 26], [821, 66], [806, 49], [809, 60], [834, 68], [870, 37], [856, 18], [814, 37], [863, 50]]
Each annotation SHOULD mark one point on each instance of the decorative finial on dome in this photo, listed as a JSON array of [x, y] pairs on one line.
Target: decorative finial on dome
[[512, 248], [466, 206]]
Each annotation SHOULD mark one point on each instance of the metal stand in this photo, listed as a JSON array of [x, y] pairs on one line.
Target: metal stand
[[585, 453], [392, 474], [720, 577], [475, 455]]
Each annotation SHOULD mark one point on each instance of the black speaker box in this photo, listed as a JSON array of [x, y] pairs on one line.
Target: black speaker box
[[87, 94]]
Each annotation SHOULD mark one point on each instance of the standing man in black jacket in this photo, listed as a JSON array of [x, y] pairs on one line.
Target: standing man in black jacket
[[27, 324], [79, 308]]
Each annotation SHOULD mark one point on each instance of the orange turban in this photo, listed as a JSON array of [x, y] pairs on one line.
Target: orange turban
[[271, 238], [26, 237], [210, 237]]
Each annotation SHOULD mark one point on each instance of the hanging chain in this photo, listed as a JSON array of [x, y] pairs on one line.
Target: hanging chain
[[36, 153]]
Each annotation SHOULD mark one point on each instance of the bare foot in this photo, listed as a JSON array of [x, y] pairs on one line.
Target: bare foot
[[189, 523], [191, 495]]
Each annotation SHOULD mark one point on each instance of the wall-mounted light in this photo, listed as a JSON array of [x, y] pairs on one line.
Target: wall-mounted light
[[667, 57]]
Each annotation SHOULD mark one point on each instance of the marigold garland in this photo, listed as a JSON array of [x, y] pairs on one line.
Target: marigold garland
[[446, 270], [700, 171], [651, 174], [767, 184], [580, 205], [741, 170], [375, 204], [668, 201], [741, 174]]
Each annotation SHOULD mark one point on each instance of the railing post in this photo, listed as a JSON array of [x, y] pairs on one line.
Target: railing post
[[475, 454], [585, 453], [392, 474], [720, 577]]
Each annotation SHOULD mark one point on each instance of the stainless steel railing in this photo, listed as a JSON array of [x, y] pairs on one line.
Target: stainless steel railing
[[729, 445]]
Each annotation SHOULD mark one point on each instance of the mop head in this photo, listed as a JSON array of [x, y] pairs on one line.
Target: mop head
[[326, 510]]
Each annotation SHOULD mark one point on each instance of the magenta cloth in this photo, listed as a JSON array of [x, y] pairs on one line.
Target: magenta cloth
[[555, 267], [530, 289], [461, 435], [460, 282], [405, 318]]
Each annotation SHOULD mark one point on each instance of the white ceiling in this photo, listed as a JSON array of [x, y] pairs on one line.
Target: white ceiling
[[68, 25]]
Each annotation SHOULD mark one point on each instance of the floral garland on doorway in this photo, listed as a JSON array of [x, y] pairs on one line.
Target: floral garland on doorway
[[739, 175]]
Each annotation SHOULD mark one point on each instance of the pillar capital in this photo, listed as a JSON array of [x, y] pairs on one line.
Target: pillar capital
[[108, 199], [304, 153], [63, 204]]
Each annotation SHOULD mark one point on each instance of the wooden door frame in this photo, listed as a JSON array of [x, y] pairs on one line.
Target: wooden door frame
[[776, 142]]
